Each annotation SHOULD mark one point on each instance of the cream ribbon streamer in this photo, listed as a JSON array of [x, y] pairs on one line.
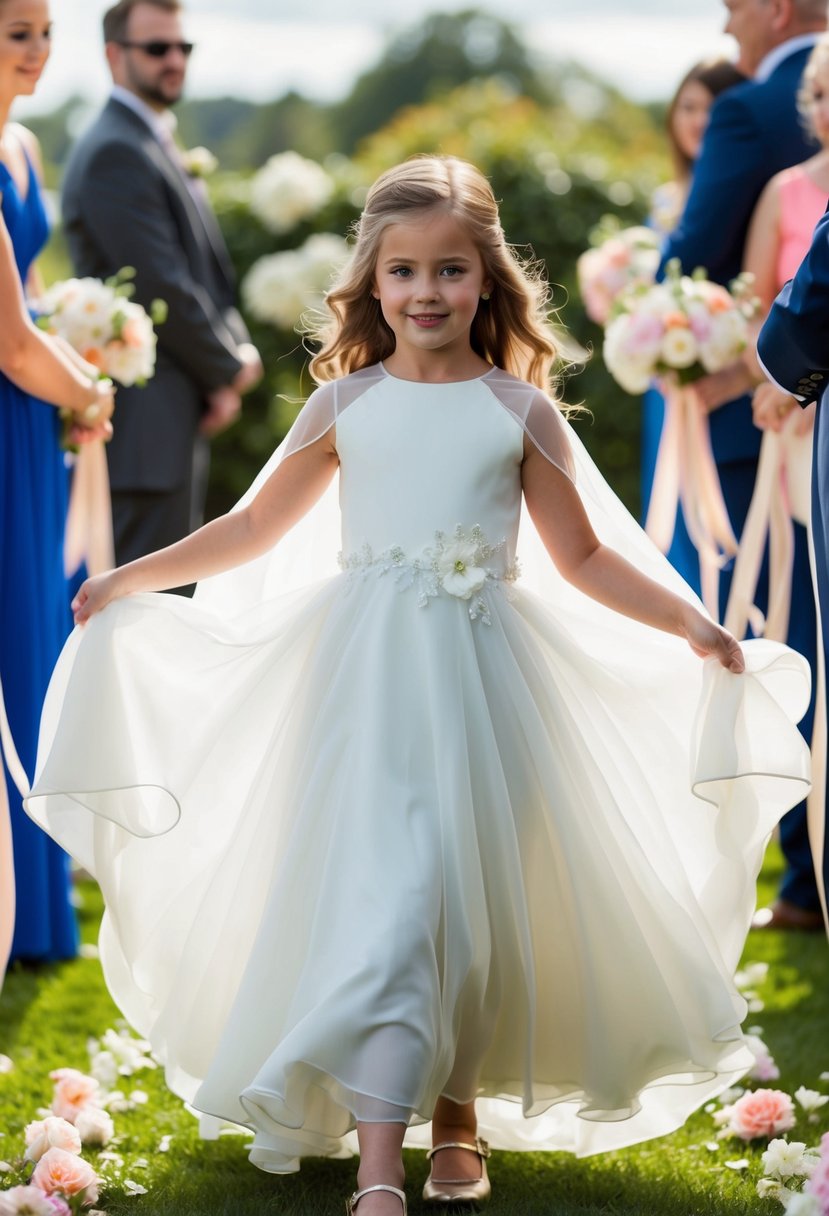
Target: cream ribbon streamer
[[686, 475], [782, 493], [89, 519]]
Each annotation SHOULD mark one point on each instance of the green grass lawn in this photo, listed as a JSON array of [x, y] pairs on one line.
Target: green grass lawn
[[46, 1017]]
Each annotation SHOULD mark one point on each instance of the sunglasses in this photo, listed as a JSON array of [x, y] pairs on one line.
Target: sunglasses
[[158, 49]]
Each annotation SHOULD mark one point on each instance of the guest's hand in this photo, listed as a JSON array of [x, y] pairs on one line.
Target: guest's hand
[[251, 371], [720, 387], [224, 405], [771, 407]]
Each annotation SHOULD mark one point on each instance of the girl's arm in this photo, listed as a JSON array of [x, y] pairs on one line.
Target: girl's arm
[[559, 515], [290, 491]]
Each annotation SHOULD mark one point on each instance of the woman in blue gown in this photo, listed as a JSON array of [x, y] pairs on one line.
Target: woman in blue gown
[[37, 374], [685, 123]]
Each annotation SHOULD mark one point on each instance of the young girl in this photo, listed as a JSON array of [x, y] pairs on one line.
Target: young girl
[[375, 845]]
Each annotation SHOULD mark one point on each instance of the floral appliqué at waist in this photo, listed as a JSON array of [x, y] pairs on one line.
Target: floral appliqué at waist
[[455, 565]]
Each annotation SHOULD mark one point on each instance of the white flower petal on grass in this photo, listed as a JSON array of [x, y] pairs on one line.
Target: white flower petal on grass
[[139, 1097], [713, 1146], [752, 975], [134, 1188], [164, 1144], [803, 1205], [810, 1099], [5, 1168], [741, 1164], [88, 950], [784, 1159], [6, 1064], [731, 1095], [95, 1126], [770, 1188]]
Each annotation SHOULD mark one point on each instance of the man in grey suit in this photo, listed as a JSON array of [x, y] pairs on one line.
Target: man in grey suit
[[128, 201]]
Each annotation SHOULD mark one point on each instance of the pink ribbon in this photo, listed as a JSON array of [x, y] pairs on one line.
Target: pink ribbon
[[88, 534], [686, 474]]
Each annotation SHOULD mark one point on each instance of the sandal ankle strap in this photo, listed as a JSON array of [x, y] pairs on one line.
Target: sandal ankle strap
[[350, 1204], [480, 1147]]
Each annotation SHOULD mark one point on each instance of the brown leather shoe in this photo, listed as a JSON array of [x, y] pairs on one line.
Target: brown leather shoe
[[785, 915]]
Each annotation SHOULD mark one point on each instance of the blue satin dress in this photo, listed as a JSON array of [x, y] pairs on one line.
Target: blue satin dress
[[34, 606]]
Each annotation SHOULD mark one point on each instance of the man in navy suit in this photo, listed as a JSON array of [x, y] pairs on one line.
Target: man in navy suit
[[794, 349], [755, 130]]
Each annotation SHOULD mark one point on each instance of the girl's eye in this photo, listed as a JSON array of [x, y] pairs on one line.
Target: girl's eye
[[451, 271], [401, 272]]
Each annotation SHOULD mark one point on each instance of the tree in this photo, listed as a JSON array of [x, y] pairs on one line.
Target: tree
[[427, 60]]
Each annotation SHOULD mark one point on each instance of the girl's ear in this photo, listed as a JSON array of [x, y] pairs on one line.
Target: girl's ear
[[374, 292]]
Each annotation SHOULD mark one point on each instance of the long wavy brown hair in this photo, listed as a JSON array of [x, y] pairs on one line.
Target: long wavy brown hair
[[510, 330]]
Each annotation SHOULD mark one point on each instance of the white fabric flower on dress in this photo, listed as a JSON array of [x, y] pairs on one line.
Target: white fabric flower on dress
[[458, 573]]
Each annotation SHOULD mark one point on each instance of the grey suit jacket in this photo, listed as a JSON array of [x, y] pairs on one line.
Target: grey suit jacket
[[126, 203]]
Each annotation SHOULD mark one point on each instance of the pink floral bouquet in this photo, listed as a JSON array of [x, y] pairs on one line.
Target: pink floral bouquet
[[685, 327], [100, 321], [623, 258]]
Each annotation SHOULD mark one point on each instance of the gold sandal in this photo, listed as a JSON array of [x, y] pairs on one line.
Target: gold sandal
[[350, 1204], [474, 1191]]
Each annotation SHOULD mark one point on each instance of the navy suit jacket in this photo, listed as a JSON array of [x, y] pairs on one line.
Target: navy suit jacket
[[755, 131], [794, 349], [125, 203]]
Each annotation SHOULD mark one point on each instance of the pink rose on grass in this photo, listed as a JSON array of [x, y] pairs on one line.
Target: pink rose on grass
[[73, 1091], [31, 1201], [51, 1133], [66, 1174], [763, 1113]]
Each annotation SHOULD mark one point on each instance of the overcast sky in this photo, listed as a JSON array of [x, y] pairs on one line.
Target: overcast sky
[[263, 48]]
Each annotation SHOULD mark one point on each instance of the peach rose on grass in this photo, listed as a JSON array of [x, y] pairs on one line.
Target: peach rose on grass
[[73, 1091], [761, 1113], [66, 1174], [52, 1132], [31, 1201], [94, 1126]]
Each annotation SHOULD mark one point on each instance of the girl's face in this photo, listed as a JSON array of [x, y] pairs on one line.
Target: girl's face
[[690, 118], [429, 277], [25, 33], [819, 104]]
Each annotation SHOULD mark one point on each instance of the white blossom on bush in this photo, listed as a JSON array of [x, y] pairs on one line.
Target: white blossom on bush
[[288, 188], [280, 287]]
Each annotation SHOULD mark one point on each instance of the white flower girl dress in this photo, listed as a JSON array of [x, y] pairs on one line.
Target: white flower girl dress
[[423, 824]]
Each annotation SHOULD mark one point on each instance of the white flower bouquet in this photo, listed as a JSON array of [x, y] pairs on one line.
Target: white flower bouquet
[[686, 327], [623, 258], [100, 321]]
